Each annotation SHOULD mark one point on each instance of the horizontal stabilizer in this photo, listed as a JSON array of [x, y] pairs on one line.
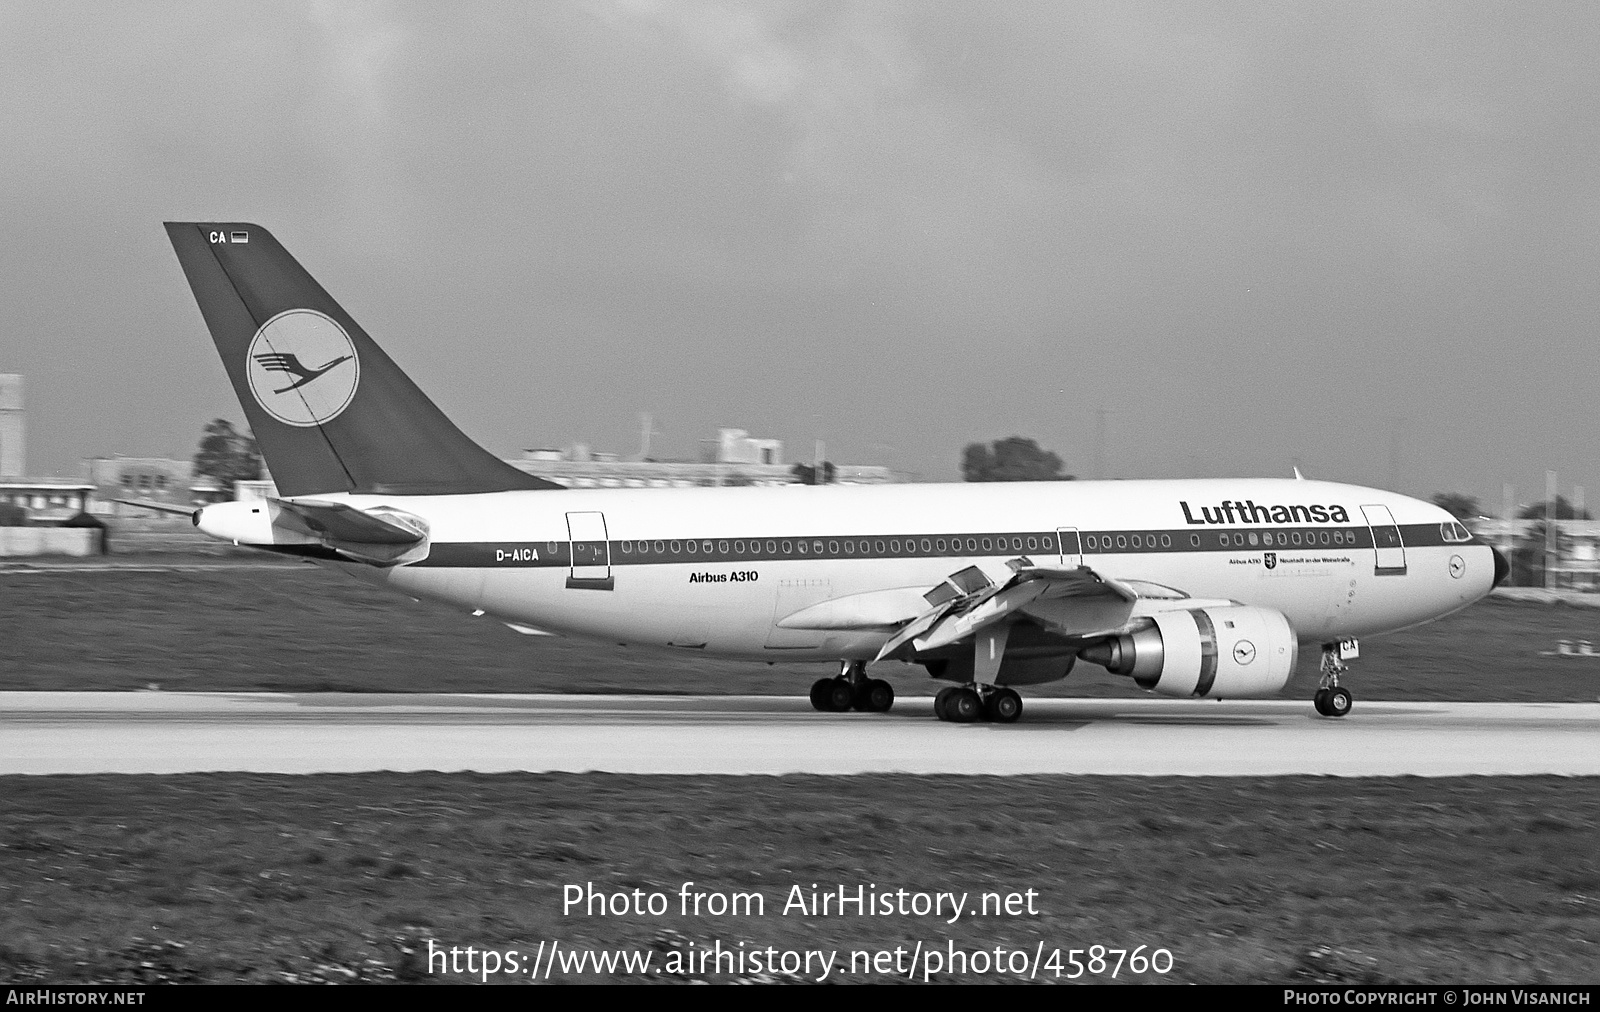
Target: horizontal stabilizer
[[159, 507], [339, 522], [378, 537]]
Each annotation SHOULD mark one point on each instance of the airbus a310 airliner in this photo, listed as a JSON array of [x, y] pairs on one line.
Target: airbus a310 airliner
[[1191, 588]]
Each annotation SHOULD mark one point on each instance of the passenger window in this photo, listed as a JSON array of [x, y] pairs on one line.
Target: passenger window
[[772, 548], [927, 546], [849, 548], [986, 543], [677, 546], [894, 547], [801, 545], [1122, 541], [1166, 541], [833, 548], [722, 547], [691, 546], [1047, 543], [787, 548], [1033, 543], [1194, 541], [880, 548]]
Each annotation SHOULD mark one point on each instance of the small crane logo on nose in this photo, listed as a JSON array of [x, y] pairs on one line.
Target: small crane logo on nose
[[1244, 652]]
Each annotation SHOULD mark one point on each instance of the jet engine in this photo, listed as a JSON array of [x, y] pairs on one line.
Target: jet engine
[[1227, 652]]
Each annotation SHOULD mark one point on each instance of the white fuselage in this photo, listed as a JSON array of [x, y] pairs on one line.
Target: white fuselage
[[718, 568]]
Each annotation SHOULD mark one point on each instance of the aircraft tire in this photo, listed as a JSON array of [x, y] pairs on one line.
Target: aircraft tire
[[875, 697], [1339, 701], [820, 692], [1320, 701], [964, 706], [941, 699], [1003, 706], [840, 695]]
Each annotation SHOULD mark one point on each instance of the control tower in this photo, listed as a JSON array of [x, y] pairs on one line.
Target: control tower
[[13, 456]]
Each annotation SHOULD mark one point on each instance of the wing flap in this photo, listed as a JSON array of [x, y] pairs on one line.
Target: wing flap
[[1064, 600]]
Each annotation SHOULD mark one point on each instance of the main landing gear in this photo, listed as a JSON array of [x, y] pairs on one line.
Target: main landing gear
[[1333, 699], [965, 704], [852, 690]]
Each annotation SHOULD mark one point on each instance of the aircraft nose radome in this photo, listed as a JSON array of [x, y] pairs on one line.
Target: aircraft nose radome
[[1502, 568]]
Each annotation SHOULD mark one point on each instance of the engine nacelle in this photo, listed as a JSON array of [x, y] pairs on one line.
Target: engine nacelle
[[1229, 652]]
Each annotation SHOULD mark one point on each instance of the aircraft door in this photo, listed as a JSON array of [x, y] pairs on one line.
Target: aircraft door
[[1071, 545], [591, 551], [1391, 550]]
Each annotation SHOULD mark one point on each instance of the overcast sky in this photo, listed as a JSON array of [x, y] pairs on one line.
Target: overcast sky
[[1255, 234]]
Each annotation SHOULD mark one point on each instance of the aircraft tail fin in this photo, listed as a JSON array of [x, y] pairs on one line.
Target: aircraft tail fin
[[330, 411]]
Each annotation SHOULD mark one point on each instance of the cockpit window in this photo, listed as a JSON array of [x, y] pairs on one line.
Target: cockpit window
[[1454, 533]]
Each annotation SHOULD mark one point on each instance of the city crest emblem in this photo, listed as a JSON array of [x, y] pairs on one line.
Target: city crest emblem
[[1271, 560], [303, 368]]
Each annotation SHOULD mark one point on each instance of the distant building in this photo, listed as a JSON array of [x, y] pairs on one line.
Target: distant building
[[13, 446], [1575, 549], [733, 458], [47, 500], [734, 446], [149, 479]]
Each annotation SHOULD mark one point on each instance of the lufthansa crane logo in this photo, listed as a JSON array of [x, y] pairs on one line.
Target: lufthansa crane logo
[[303, 368], [1244, 652]]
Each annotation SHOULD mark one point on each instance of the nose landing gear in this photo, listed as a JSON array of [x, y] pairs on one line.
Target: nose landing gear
[[1332, 699]]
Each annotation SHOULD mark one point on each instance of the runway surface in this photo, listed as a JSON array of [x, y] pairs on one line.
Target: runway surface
[[161, 732]]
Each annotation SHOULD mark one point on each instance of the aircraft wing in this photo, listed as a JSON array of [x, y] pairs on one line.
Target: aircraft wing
[[1068, 601]]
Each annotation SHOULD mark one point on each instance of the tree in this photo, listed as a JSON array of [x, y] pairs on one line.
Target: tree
[[227, 455], [806, 474], [1563, 511], [1011, 459], [1458, 505]]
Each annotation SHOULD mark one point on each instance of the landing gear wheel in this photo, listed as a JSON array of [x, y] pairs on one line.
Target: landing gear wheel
[[874, 697], [1320, 701], [841, 694], [821, 692], [963, 706], [1339, 701], [1003, 706], [941, 699]]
